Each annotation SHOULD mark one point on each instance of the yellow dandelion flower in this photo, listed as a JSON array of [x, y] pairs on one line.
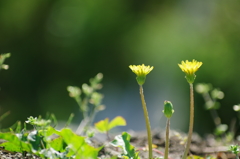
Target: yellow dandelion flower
[[141, 71], [189, 68]]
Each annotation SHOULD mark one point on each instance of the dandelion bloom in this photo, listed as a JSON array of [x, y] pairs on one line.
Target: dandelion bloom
[[141, 71], [189, 68]]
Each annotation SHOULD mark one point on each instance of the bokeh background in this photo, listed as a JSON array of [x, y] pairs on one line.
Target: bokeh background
[[56, 43]]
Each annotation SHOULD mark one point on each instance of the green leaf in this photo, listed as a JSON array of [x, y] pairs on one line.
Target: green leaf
[[123, 141], [78, 145], [50, 131], [35, 140], [118, 121], [11, 147], [14, 144], [22, 136], [58, 144], [104, 125]]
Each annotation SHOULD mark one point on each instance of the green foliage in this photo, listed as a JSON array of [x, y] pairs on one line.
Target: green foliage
[[211, 95], [90, 96], [47, 142], [3, 57], [15, 142], [88, 99], [220, 129], [123, 141], [234, 149], [37, 122], [79, 147], [104, 125]]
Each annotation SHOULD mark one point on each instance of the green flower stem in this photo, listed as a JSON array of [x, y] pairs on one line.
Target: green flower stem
[[191, 120], [147, 122], [167, 139]]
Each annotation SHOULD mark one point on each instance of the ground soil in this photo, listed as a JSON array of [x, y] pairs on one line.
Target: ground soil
[[200, 146]]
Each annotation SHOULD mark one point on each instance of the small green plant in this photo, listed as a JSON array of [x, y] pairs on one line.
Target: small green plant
[[88, 100], [235, 150], [211, 96], [47, 142], [123, 142], [168, 111], [189, 68], [141, 71], [104, 126]]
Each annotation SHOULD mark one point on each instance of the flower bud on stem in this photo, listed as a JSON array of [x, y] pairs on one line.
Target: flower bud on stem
[[168, 111]]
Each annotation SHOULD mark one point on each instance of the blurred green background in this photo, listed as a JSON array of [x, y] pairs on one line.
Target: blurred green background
[[56, 43]]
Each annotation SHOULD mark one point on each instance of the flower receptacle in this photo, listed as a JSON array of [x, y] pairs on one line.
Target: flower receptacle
[[141, 79]]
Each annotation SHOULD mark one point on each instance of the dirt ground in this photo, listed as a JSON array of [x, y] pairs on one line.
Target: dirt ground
[[204, 147]]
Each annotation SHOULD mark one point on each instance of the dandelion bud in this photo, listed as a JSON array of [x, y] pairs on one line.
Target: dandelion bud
[[168, 109]]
